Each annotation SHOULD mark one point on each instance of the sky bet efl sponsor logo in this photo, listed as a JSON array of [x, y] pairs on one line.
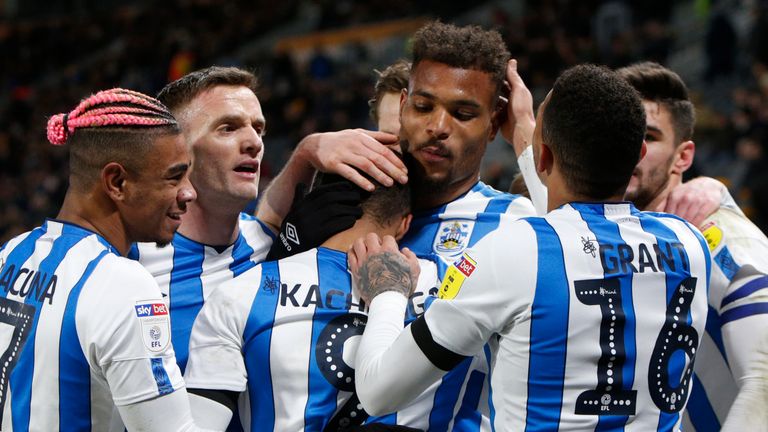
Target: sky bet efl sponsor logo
[[151, 309]]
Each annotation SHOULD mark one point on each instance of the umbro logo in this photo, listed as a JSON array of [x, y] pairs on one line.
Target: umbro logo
[[291, 233]]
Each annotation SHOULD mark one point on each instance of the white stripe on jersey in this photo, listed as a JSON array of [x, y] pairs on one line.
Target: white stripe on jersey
[[291, 345]]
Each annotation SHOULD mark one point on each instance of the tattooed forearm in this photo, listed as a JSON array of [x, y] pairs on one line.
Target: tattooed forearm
[[382, 272]]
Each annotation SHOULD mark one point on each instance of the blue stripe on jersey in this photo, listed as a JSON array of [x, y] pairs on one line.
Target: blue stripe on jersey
[[700, 411], [488, 222], [74, 371], [491, 408], [21, 377], [713, 328], [607, 232], [748, 288], [134, 253], [674, 279], [549, 331], [186, 299], [334, 283], [446, 395], [241, 256], [257, 337], [744, 311], [500, 204], [161, 376], [422, 232], [469, 418], [727, 264], [20, 254], [389, 419]]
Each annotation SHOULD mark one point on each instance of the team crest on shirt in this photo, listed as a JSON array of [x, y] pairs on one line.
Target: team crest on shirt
[[155, 324], [713, 234], [452, 237], [455, 276]]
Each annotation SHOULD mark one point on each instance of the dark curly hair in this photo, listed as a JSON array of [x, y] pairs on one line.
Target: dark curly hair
[[469, 47], [656, 83], [384, 205], [594, 123]]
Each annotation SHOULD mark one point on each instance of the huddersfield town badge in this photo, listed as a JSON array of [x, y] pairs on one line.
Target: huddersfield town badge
[[452, 237]]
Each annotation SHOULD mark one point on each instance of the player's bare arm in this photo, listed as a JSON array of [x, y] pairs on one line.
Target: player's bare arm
[[378, 266], [343, 153]]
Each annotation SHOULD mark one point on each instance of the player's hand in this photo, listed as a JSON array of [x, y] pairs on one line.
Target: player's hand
[[378, 266], [517, 127], [694, 200], [327, 210], [345, 152]]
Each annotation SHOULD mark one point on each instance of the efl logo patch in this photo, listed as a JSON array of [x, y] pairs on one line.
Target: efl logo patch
[[155, 325], [713, 234], [455, 277], [452, 237]]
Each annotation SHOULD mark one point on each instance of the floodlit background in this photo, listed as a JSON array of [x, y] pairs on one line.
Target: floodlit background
[[315, 59]]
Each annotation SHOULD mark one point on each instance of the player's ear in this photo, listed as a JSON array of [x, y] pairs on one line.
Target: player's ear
[[113, 180], [499, 116], [403, 99], [683, 157], [405, 223], [546, 160]]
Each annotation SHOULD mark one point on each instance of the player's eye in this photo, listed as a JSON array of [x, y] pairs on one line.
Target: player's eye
[[464, 115], [227, 127], [651, 138]]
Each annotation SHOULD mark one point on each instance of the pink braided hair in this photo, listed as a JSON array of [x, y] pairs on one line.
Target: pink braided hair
[[115, 107]]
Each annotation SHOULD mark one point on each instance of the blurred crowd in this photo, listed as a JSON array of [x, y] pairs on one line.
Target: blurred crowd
[[52, 60]]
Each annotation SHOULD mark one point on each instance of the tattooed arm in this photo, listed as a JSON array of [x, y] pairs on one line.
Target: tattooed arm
[[385, 278], [378, 266]]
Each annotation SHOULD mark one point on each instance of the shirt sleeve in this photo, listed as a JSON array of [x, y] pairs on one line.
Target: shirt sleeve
[[170, 413], [474, 303], [739, 287], [536, 188], [125, 332], [216, 344], [484, 291]]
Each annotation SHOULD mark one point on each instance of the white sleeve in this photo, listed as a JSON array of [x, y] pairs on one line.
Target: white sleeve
[[739, 292], [208, 413], [748, 411], [215, 345], [390, 369], [124, 329], [170, 413], [739, 286], [393, 365], [536, 188]]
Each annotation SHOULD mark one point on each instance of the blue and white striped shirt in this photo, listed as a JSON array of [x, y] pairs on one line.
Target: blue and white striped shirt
[[737, 317], [460, 402], [284, 335], [594, 313], [85, 330], [188, 272]]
